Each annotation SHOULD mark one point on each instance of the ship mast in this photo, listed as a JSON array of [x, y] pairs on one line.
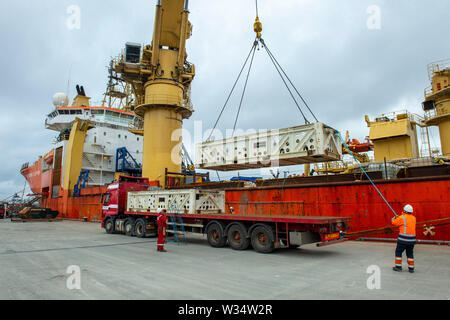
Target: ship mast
[[118, 93]]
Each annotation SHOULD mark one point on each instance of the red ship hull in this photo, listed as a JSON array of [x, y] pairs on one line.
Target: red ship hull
[[430, 198]]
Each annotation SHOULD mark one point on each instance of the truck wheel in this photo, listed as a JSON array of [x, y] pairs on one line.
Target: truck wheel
[[237, 237], [139, 229], [129, 227], [109, 226], [262, 239], [216, 236]]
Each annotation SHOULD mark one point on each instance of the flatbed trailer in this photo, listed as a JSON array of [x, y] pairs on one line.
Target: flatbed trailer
[[129, 208]]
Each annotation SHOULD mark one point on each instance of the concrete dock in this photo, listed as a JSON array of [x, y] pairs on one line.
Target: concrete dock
[[35, 261]]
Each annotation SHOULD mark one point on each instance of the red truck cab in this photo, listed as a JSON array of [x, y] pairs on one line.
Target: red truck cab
[[3, 211], [115, 199]]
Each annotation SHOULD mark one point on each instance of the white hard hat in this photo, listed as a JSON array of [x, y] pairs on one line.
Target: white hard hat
[[408, 208], [159, 210]]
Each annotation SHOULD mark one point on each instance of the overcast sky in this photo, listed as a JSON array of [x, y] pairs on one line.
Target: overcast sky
[[344, 69]]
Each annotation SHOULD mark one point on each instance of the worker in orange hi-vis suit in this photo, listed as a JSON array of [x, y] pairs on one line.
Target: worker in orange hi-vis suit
[[162, 229], [406, 238]]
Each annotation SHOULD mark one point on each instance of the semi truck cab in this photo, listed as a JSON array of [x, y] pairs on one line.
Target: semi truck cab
[[115, 199], [3, 211]]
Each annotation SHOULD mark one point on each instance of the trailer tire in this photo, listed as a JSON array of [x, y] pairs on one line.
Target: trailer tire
[[129, 226], [216, 235], [237, 237], [262, 239], [139, 229], [109, 226]]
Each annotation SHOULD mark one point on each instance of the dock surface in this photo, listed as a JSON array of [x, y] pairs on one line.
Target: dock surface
[[34, 260]]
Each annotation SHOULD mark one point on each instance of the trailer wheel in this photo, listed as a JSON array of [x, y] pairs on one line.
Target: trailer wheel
[[216, 236], [262, 239], [109, 226], [129, 227], [237, 237], [139, 229]]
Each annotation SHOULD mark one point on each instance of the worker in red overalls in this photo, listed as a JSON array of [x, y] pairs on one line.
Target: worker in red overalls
[[162, 228], [406, 238]]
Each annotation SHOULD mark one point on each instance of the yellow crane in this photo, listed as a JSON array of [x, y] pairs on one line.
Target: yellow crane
[[161, 77]]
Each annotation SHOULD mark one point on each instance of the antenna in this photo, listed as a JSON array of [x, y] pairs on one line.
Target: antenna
[[68, 81]]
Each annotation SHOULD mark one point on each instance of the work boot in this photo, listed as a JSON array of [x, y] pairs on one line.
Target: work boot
[[163, 250], [411, 270], [397, 269]]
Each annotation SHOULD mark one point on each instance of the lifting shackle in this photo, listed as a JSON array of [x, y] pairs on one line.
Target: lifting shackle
[[257, 27]]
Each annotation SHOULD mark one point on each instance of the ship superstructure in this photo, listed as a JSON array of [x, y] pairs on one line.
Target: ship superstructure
[[87, 141]]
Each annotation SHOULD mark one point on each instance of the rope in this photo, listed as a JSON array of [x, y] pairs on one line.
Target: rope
[[232, 90], [359, 164], [245, 88]]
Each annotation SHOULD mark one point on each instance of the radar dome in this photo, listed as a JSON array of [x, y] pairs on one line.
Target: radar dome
[[60, 100]]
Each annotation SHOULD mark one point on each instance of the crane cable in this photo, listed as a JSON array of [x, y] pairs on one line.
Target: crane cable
[[292, 84], [284, 81], [245, 87], [232, 90], [280, 70]]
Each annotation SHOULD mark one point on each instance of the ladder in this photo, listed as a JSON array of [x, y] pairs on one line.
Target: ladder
[[175, 220]]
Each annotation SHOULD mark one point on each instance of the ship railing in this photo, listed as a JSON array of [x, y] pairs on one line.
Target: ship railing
[[437, 66], [136, 124], [436, 112], [394, 116], [428, 91]]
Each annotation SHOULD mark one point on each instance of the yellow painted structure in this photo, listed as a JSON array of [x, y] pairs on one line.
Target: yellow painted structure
[[161, 84], [81, 101], [74, 153], [394, 137], [437, 102]]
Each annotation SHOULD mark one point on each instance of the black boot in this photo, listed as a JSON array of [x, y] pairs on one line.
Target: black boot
[[397, 269], [411, 270]]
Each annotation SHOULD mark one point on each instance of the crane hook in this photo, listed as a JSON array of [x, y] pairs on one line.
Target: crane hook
[[257, 27]]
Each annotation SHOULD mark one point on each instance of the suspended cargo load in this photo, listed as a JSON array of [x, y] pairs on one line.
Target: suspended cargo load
[[189, 201], [311, 143]]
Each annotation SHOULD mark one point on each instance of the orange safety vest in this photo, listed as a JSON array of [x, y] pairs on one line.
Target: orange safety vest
[[407, 224]]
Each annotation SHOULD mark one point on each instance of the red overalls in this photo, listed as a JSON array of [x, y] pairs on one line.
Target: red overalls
[[162, 227]]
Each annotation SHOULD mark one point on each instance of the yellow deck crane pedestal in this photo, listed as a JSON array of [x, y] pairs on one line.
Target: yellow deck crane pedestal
[[161, 80]]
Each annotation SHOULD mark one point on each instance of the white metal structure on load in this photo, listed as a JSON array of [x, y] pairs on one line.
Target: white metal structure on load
[[311, 143], [189, 201]]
